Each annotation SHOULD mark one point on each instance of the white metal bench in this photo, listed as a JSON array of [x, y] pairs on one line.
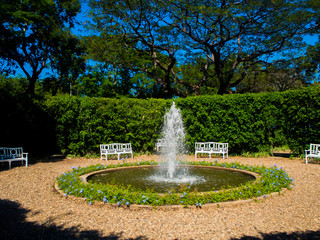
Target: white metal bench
[[115, 148], [313, 152], [211, 148], [160, 144], [12, 155]]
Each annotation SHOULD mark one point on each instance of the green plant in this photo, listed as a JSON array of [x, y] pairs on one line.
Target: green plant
[[252, 124], [255, 155], [82, 124], [272, 179], [281, 148]]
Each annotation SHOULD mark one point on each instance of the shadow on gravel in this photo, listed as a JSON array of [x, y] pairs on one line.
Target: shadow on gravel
[[281, 154], [13, 226], [308, 235]]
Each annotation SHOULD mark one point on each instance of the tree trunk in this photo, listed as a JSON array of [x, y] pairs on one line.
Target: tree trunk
[[32, 84]]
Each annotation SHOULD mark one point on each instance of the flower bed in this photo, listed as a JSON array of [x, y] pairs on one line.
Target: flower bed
[[272, 179]]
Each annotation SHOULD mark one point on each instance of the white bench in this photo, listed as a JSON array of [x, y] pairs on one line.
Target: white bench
[[314, 151], [115, 148], [160, 144], [13, 154], [211, 148]]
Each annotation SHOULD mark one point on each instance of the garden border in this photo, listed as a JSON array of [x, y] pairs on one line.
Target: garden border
[[172, 207]]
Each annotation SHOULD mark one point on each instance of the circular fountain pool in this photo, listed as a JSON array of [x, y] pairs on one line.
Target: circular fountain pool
[[200, 178]]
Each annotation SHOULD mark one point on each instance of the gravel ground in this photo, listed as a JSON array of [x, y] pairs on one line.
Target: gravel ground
[[31, 209]]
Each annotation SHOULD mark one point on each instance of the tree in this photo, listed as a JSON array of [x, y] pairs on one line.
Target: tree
[[96, 84], [311, 63], [277, 77], [198, 77], [233, 36], [68, 59], [135, 38], [244, 31], [29, 32]]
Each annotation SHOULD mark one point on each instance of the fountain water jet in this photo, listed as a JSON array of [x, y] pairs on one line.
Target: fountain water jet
[[173, 134], [170, 175]]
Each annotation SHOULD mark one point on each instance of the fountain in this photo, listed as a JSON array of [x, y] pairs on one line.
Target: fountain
[[170, 174], [173, 135]]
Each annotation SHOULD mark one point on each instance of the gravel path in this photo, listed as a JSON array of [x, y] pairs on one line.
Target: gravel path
[[31, 209]]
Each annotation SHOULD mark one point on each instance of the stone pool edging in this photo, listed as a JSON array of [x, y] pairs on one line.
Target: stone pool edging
[[172, 207]]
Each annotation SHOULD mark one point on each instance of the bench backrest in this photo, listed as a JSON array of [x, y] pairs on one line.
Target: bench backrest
[[6, 153], [115, 147], [207, 146], [314, 148]]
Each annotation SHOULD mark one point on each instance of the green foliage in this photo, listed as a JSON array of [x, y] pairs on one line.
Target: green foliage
[[84, 123], [13, 86], [166, 35], [246, 121], [134, 41], [301, 118], [30, 35], [272, 179], [249, 123]]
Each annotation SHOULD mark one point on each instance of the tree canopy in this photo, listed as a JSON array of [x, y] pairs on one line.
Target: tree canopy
[[30, 33], [161, 48], [233, 36]]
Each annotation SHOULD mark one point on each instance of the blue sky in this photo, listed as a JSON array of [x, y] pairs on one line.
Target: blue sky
[[80, 30]]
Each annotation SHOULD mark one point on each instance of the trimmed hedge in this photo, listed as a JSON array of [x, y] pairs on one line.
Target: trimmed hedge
[[78, 125], [85, 123], [248, 122], [300, 118]]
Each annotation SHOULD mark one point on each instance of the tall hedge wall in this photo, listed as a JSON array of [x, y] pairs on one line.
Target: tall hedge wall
[[84, 123], [248, 122], [77, 125], [301, 118]]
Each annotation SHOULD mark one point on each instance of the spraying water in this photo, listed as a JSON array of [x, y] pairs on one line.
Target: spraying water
[[173, 152], [173, 135], [170, 174]]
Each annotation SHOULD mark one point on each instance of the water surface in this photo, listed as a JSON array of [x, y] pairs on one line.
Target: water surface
[[201, 178]]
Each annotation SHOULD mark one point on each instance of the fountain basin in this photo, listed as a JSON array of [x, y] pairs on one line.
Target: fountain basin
[[199, 178], [269, 180]]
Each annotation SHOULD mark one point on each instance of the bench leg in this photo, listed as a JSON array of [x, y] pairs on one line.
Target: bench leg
[[9, 164], [195, 155]]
